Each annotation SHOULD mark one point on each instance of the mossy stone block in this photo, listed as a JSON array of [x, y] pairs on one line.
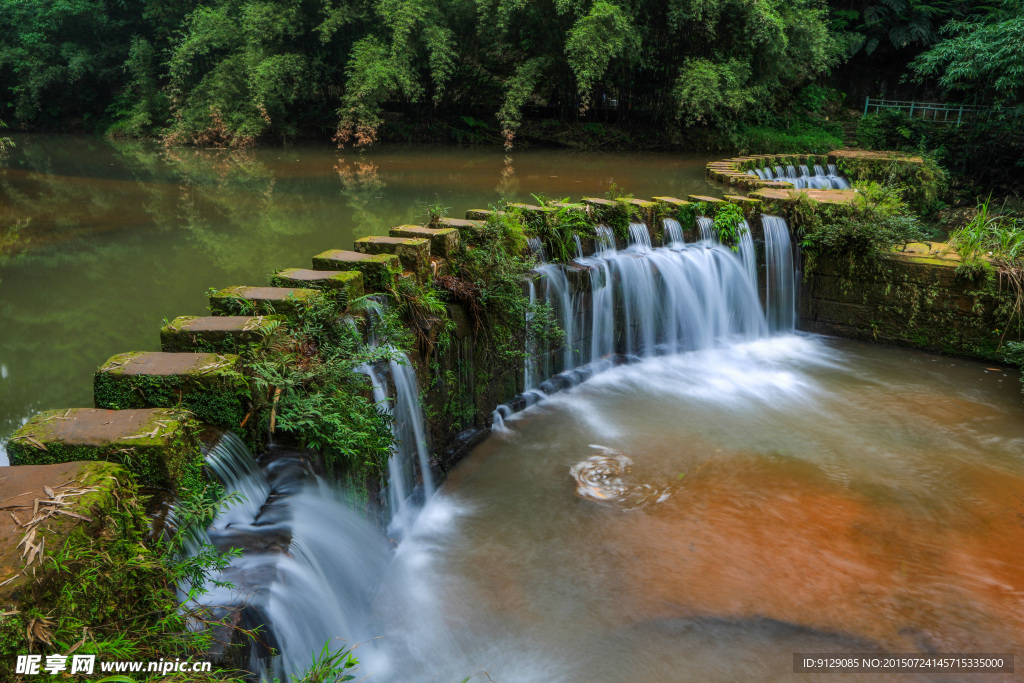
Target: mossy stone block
[[208, 384], [95, 487], [470, 231], [160, 447], [217, 333], [349, 283], [444, 242], [242, 300], [379, 270], [414, 253], [482, 214]]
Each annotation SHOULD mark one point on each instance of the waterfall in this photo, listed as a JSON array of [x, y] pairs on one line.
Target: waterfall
[[410, 450], [823, 178], [605, 238], [707, 229], [529, 363], [323, 586], [579, 246], [557, 293], [780, 303], [673, 234], [640, 238], [230, 461], [643, 301], [747, 252]]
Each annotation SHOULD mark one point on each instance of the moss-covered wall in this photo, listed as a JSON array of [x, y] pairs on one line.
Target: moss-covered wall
[[916, 301]]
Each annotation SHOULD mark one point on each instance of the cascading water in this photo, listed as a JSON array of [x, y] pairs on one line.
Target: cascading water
[[802, 179], [410, 451], [231, 462], [780, 304], [748, 252], [706, 227], [643, 301], [673, 234]]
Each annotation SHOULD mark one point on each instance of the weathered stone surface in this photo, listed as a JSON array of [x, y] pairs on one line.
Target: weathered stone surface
[[482, 214], [210, 385], [444, 242], [414, 253], [378, 270], [79, 490], [159, 446], [216, 334], [261, 300], [837, 197], [748, 204], [910, 299], [705, 200], [873, 155], [347, 282], [470, 231]]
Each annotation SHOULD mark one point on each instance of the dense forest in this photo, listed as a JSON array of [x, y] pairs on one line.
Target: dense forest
[[234, 71]]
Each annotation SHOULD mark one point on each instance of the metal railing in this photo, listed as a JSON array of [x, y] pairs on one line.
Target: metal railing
[[930, 111]]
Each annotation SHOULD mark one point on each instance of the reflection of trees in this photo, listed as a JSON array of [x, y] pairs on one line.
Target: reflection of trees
[[508, 184], [363, 190]]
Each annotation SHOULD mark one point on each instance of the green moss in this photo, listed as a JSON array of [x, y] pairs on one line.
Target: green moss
[[216, 395], [163, 451], [176, 337], [109, 580]]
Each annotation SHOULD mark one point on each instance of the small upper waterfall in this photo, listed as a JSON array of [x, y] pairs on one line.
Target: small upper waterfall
[[802, 179]]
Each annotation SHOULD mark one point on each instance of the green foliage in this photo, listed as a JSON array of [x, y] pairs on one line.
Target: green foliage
[[993, 243], [879, 221], [728, 224], [110, 589], [892, 129], [330, 666], [799, 138], [306, 383], [225, 72], [980, 56], [558, 228]]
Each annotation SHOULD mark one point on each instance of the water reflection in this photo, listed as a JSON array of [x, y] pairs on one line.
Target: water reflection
[[114, 236]]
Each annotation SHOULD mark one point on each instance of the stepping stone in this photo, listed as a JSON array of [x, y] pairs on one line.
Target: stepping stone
[[482, 214], [378, 270], [413, 252], [470, 231], [262, 300], [208, 384], [705, 200], [672, 204], [348, 282], [82, 492], [159, 446], [745, 203], [444, 242], [217, 333]]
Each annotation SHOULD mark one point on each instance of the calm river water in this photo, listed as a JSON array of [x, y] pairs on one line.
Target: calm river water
[[120, 236]]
